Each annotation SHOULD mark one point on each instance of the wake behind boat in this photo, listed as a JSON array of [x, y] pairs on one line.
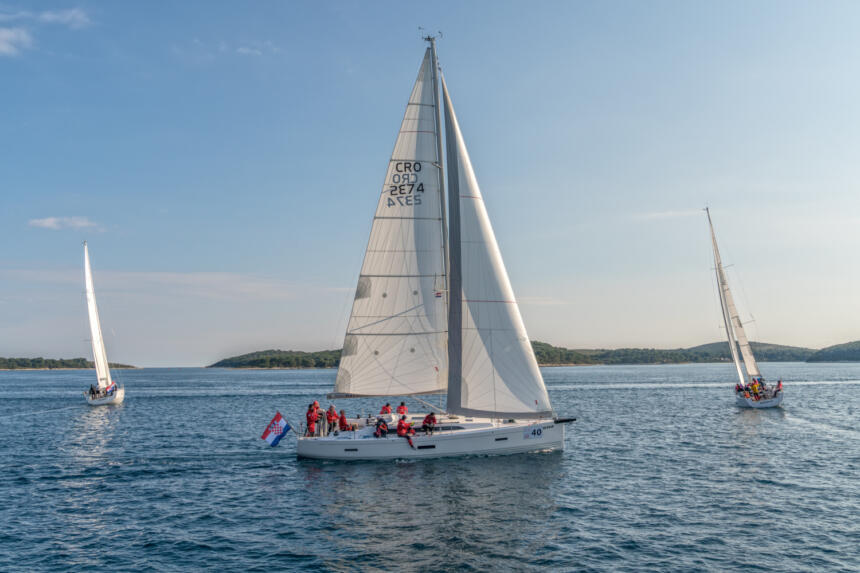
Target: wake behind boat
[[434, 311], [751, 391], [106, 391]]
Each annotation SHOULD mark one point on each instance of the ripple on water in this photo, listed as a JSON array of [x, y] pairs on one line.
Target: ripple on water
[[661, 472]]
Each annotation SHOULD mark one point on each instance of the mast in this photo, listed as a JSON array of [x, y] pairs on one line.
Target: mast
[[455, 276], [434, 62]]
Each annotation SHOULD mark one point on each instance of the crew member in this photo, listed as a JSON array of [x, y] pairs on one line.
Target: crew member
[[779, 385], [429, 423], [386, 409], [344, 425], [404, 430], [381, 428], [312, 418], [331, 418], [402, 409]]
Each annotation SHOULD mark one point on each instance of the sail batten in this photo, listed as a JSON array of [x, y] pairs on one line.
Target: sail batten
[[395, 338]]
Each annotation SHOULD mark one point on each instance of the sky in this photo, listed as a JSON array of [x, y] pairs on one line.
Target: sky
[[223, 161]]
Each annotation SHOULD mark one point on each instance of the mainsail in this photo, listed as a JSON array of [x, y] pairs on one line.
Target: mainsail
[[493, 370], [734, 326], [99, 354], [396, 335]]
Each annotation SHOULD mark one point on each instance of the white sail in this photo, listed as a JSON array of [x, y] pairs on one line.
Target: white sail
[[99, 354], [734, 326], [396, 335], [493, 370]]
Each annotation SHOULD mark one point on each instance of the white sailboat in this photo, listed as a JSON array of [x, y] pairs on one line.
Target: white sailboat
[[751, 390], [434, 311], [106, 391]]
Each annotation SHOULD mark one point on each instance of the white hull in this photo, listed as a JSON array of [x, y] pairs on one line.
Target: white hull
[[115, 398], [480, 437], [750, 403]]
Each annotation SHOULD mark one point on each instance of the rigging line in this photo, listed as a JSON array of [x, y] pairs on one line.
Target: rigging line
[[429, 405]]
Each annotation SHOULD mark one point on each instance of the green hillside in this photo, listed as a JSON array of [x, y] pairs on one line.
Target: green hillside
[[50, 363], [546, 354], [549, 354], [282, 359], [848, 352]]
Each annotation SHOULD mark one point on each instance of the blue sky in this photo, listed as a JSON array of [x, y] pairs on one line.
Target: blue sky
[[223, 160]]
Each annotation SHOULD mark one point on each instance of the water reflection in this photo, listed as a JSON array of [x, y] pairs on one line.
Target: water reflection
[[448, 512]]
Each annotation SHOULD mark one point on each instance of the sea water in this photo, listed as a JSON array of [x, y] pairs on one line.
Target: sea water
[[661, 471]]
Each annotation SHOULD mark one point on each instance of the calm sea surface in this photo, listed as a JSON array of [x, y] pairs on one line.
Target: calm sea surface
[[661, 472]]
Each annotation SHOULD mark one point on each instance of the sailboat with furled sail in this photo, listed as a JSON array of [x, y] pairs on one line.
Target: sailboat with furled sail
[[106, 390], [751, 390], [434, 311]]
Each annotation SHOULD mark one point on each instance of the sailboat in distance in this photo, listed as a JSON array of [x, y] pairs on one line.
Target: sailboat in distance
[[106, 391], [751, 391], [434, 311]]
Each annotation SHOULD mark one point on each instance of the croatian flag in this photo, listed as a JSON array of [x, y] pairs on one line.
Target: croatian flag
[[111, 387], [438, 294], [276, 430]]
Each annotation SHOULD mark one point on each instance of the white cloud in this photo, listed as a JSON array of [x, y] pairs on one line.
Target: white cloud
[[13, 40], [247, 51], [74, 18], [58, 223]]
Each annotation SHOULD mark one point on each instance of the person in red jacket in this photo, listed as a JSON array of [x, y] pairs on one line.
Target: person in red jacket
[[381, 428], [331, 418], [342, 423], [386, 409], [429, 423], [404, 430], [312, 418], [402, 409]]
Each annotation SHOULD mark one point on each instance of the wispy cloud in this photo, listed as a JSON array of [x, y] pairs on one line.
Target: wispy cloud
[[59, 223], [199, 52], [14, 40], [655, 215], [74, 18], [247, 51]]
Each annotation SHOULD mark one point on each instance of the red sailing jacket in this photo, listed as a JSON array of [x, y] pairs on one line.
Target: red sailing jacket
[[402, 428]]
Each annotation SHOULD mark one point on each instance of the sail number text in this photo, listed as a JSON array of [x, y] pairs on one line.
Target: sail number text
[[405, 189]]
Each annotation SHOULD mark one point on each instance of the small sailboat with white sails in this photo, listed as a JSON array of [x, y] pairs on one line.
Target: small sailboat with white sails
[[434, 311], [751, 390], [106, 391]]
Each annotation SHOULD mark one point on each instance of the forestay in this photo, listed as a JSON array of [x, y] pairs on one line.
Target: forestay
[[99, 354], [493, 368], [396, 336], [734, 326]]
